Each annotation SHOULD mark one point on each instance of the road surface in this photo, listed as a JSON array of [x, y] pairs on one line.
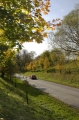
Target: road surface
[[66, 94]]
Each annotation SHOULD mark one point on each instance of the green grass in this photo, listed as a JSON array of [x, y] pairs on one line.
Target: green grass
[[65, 79], [13, 105]]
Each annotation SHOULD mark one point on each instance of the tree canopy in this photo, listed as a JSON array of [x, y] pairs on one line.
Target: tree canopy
[[67, 36], [22, 21]]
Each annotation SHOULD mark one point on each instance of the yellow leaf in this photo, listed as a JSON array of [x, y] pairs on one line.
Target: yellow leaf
[[34, 29], [53, 28], [48, 28], [40, 29], [1, 32], [42, 8], [47, 2], [38, 10], [45, 34], [25, 11], [45, 12]]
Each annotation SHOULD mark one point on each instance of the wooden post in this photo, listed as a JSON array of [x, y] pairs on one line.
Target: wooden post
[[26, 84], [15, 82]]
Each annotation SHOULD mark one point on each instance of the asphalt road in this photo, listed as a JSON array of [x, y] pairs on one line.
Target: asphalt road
[[66, 94]]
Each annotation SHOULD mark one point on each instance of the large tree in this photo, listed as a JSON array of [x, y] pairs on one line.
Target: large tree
[[22, 20], [67, 36]]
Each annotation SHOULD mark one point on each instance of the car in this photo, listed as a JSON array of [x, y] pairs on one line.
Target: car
[[33, 77]]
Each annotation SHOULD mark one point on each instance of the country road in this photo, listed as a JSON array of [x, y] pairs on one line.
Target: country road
[[64, 93]]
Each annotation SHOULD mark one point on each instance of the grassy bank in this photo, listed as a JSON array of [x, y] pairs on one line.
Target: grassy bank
[[66, 79], [13, 105]]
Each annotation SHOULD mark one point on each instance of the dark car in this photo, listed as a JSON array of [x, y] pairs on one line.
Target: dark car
[[33, 77]]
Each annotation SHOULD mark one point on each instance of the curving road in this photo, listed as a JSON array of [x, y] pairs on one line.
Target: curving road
[[64, 93]]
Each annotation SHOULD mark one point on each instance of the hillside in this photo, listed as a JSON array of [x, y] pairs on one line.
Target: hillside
[[13, 105], [65, 79]]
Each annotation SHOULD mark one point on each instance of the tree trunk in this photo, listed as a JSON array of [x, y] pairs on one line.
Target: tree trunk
[[2, 74]]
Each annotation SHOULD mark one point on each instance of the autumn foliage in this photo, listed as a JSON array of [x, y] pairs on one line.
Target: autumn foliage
[[23, 21]]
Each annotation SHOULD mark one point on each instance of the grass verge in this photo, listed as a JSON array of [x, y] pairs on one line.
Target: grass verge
[[13, 105], [65, 79]]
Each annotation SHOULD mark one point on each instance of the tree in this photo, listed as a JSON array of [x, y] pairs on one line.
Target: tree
[[57, 56], [41, 62], [22, 21], [67, 35], [46, 63], [45, 54], [30, 65], [8, 65], [23, 58]]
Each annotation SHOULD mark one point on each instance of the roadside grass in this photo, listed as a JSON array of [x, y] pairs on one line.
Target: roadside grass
[[61, 78], [13, 105]]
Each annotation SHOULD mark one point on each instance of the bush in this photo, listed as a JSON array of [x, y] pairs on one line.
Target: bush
[[51, 70], [67, 72]]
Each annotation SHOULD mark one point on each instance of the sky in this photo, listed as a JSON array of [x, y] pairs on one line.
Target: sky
[[58, 9]]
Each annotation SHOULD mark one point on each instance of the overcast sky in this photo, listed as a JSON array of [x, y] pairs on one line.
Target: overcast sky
[[58, 9]]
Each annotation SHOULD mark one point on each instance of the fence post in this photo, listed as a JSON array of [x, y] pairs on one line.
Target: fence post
[[25, 85]]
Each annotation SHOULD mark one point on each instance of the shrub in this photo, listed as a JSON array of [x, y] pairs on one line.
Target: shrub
[[49, 70]]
